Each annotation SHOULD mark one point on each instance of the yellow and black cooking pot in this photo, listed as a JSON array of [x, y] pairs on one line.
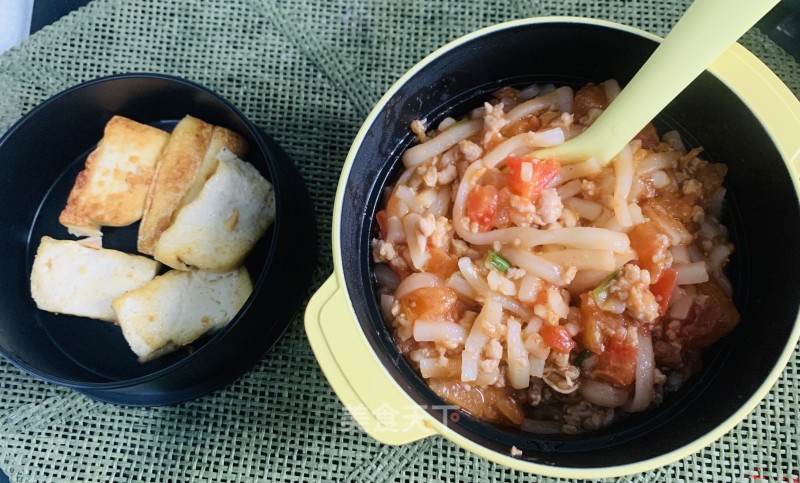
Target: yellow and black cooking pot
[[738, 111]]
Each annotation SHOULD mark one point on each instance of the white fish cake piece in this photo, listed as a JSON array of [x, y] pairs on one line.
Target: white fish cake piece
[[71, 278], [178, 307], [217, 230]]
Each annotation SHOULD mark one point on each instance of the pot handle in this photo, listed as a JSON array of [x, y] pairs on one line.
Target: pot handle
[[369, 393]]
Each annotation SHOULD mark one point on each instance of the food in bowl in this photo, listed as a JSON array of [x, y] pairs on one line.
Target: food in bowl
[[202, 210], [557, 298]]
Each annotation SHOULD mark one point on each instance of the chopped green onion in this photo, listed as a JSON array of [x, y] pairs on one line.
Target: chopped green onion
[[600, 293], [498, 262], [582, 356]]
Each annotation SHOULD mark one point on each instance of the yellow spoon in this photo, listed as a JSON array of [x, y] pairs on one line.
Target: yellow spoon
[[704, 32]]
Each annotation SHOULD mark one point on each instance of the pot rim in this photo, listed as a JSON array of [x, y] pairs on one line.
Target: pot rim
[[778, 111]]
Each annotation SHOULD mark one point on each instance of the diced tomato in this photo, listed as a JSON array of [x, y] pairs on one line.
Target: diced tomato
[[488, 403], [382, 218], [712, 316], [441, 263], [482, 205], [500, 219], [542, 173], [617, 363], [651, 252], [429, 303], [648, 136], [557, 337], [596, 323], [676, 205], [662, 289]]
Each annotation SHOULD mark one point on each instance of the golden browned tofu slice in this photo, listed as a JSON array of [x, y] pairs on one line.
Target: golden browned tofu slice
[[111, 189], [220, 138], [176, 308], [218, 228], [70, 278], [186, 162]]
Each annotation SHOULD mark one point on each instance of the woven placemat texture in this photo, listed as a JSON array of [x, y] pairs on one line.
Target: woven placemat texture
[[308, 72]]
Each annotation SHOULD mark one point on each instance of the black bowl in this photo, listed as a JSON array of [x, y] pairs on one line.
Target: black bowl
[[762, 209], [40, 157]]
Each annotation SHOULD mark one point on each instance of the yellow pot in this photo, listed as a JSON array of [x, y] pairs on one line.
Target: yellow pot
[[739, 111]]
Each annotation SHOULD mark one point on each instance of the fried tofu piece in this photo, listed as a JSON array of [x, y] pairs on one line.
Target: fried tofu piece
[[220, 138], [217, 229], [182, 169], [178, 307], [111, 189], [71, 278]]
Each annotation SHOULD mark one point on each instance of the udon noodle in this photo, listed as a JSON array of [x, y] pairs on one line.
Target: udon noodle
[[553, 298]]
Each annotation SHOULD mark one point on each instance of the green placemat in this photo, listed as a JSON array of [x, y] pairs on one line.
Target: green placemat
[[308, 72]]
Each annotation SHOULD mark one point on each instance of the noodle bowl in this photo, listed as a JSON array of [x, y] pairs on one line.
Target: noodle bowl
[[560, 297]]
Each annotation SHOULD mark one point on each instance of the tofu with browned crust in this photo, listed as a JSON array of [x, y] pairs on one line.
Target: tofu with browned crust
[[111, 189], [178, 307], [70, 278], [186, 162], [219, 227]]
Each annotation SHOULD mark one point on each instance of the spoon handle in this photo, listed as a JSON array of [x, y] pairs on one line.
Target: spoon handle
[[704, 32]]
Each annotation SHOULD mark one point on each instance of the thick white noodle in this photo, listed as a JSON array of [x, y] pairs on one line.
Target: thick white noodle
[[529, 288], [519, 371], [420, 153], [586, 169], [415, 281], [477, 338], [658, 161], [680, 254], [539, 139], [435, 367], [416, 241], [691, 273], [442, 331], [582, 259], [586, 209], [636, 214], [623, 179], [536, 365], [529, 92], [568, 190], [612, 89], [536, 265], [441, 205], [560, 99], [395, 232], [408, 197], [603, 394], [482, 287], [645, 375], [386, 306], [585, 237], [587, 280], [680, 304], [461, 286], [386, 277]]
